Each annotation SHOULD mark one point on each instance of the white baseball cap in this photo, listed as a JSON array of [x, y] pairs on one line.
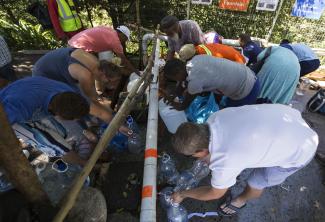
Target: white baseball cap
[[125, 30]]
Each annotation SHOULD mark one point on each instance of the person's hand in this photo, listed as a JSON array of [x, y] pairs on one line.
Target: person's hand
[[177, 106], [167, 98], [125, 130], [177, 197]]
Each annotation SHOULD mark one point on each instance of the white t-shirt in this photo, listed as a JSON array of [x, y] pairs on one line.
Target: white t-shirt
[[255, 136]]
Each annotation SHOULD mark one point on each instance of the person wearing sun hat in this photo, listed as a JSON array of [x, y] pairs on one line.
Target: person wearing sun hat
[[104, 38]]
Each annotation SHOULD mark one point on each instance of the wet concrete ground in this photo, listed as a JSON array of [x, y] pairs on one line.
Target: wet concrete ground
[[300, 198]]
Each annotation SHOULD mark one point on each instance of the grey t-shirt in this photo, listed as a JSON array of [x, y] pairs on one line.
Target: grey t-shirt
[[207, 74], [191, 34]]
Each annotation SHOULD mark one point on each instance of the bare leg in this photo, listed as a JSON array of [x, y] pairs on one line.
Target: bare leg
[[248, 194]]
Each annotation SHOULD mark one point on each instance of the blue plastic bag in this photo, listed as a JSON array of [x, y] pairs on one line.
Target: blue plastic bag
[[201, 108]]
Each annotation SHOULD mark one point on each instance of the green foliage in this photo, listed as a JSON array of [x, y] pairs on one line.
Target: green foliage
[[25, 35], [115, 12]]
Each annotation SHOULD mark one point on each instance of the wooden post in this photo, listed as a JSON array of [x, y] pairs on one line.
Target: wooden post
[[111, 130], [16, 166], [274, 22]]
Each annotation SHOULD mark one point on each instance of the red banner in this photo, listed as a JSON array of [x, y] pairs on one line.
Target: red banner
[[235, 5]]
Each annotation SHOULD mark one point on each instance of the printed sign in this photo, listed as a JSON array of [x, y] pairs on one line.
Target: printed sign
[[235, 5], [312, 9], [267, 5], [203, 2]]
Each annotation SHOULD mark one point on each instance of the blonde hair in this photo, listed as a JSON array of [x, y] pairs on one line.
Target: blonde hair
[[187, 52]]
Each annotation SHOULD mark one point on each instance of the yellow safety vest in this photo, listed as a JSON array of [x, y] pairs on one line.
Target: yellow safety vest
[[208, 52], [69, 18]]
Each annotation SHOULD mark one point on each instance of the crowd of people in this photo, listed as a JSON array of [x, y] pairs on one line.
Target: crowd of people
[[254, 128]]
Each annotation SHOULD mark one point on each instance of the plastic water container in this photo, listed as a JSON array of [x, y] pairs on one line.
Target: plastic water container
[[167, 169], [177, 213], [171, 117]]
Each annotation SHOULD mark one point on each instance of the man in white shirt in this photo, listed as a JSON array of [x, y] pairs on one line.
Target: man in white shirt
[[271, 139]]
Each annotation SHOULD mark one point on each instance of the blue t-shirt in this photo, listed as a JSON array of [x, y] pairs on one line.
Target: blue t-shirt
[[25, 98], [251, 51]]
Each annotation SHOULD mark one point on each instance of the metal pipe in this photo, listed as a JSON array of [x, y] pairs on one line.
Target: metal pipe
[[149, 186], [269, 34], [148, 37]]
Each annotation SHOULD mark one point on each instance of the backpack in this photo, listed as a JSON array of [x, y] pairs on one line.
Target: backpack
[[40, 12], [317, 102]]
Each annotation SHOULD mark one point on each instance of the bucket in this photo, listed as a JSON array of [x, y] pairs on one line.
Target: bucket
[[171, 117]]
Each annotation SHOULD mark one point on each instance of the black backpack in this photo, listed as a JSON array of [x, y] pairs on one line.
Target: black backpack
[[40, 12], [317, 102]]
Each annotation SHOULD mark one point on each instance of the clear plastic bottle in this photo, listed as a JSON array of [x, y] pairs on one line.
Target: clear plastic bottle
[[165, 197], [177, 213], [200, 169], [119, 141], [55, 183], [135, 141], [191, 178], [186, 181], [167, 169]]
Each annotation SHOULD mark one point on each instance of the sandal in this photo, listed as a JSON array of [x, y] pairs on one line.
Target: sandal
[[229, 206]]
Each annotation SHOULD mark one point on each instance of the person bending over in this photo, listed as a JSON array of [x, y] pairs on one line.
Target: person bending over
[[180, 33], [271, 139], [205, 73], [34, 98]]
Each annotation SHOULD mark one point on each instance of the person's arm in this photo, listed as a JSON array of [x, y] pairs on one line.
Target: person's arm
[[197, 35], [203, 193], [126, 63], [98, 110], [73, 157], [101, 112], [188, 98], [85, 80], [53, 11]]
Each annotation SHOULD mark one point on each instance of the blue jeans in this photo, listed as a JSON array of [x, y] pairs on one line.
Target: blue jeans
[[248, 100], [308, 66]]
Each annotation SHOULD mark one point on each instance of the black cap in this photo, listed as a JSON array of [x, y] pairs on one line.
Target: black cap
[[168, 21]]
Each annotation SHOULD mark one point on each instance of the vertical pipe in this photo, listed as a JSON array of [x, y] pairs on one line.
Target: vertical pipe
[[274, 22], [16, 165], [188, 9], [149, 191]]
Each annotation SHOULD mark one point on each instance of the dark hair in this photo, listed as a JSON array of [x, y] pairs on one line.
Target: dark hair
[[191, 137], [109, 69], [173, 67], [245, 38], [284, 41], [168, 21], [69, 105]]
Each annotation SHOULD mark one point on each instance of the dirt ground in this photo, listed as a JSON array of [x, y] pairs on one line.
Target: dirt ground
[[300, 198]]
